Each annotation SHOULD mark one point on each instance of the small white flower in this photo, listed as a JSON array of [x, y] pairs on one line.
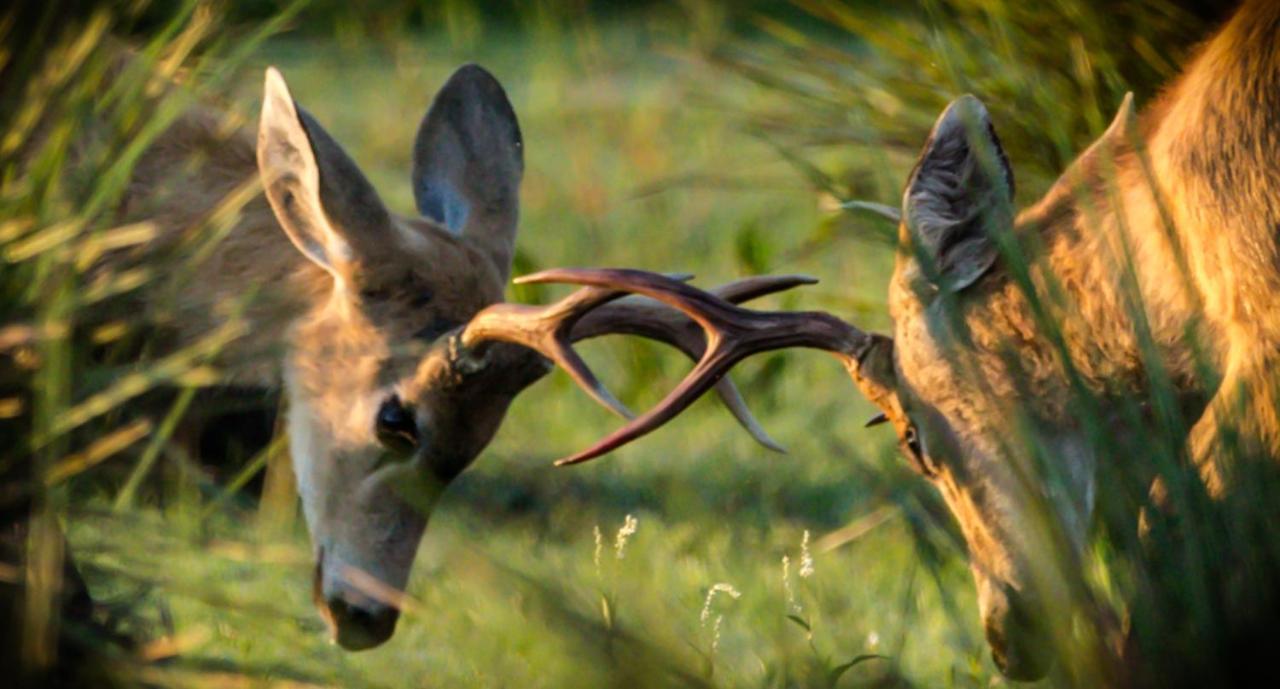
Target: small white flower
[[711, 596], [599, 546], [873, 640], [628, 529], [792, 605], [806, 558]]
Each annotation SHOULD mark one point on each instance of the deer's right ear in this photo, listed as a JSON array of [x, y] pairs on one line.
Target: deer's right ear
[[959, 195], [321, 199], [468, 160]]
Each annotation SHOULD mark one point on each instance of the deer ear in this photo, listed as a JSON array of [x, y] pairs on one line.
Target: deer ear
[[467, 163], [321, 199], [959, 196]]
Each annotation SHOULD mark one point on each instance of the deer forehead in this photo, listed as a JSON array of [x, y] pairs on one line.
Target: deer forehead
[[453, 264], [337, 391], [393, 301]]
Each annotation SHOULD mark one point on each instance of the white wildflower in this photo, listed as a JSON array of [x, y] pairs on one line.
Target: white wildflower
[[711, 596], [715, 634], [792, 605], [599, 546], [806, 558], [628, 529]]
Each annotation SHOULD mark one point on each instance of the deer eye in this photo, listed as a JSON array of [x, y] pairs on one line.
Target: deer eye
[[914, 450], [395, 426]]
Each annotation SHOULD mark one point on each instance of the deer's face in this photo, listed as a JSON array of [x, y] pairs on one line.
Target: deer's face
[[964, 437], [384, 408], [964, 408]]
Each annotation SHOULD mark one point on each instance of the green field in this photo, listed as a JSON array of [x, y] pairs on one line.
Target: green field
[[650, 143]]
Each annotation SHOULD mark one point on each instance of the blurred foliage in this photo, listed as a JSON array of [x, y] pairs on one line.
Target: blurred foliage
[[864, 89], [77, 384]]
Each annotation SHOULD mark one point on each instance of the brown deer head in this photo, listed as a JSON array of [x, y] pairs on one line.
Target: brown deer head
[[396, 379]]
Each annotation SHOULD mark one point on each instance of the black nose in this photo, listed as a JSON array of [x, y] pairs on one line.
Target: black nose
[[361, 626]]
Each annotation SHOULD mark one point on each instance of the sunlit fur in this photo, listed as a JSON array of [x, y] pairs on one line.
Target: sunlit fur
[[1209, 282]]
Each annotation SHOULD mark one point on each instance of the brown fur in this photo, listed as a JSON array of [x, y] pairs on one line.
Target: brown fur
[[193, 168], [1206, 278]]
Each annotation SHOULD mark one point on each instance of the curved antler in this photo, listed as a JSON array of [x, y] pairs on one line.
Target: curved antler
[[546, 330], [596, 311], [733, 333], [639, 315]]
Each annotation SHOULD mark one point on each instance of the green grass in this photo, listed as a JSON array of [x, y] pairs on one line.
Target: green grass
[[653, 140]]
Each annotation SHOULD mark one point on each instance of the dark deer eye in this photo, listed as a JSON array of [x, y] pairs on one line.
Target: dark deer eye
[[914, 450], [395, 426], [912, 440]]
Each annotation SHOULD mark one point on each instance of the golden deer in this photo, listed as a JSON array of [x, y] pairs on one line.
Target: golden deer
[[1176, 212]]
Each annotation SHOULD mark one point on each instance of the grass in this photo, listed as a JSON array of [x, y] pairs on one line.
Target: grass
[[672, 138]]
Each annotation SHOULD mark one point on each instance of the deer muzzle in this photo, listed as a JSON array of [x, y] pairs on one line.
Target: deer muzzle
[[1017, 633], [358, 619]]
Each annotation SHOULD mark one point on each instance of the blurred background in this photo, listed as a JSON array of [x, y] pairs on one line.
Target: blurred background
[[716, 138]]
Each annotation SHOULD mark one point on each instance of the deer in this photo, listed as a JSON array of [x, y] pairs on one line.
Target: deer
[[389, 336], [1176, 210]]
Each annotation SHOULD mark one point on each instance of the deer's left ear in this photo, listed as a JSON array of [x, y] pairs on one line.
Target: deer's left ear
[[321, 199], [959, 196], [468, 161]]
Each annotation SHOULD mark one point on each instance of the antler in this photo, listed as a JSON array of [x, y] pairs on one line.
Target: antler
[[595, 311], [733, 333]]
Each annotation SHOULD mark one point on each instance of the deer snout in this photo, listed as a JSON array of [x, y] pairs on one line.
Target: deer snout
[[361, 624], [357, 621], [1017, 633]]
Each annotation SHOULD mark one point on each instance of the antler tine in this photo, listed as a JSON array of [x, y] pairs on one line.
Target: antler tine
[[639, 315], [711, 311], [732, 400], [545, 329], [737, 292], [758, 286], [733, 333], [693, 302], [702, 378]]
